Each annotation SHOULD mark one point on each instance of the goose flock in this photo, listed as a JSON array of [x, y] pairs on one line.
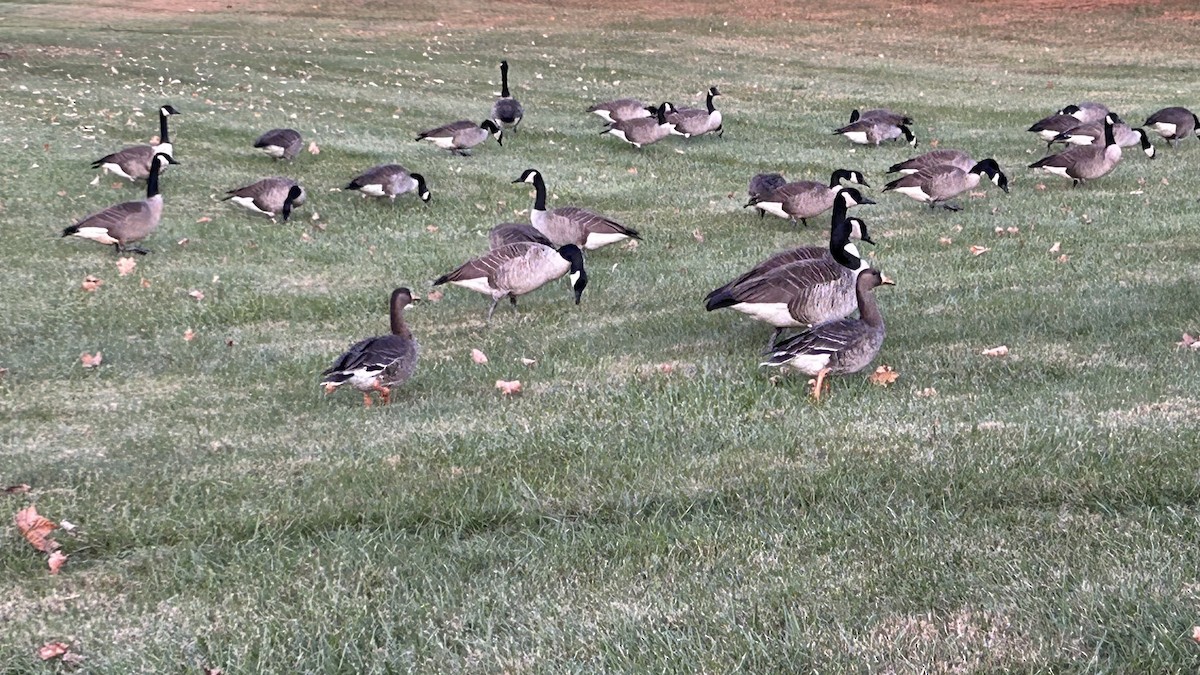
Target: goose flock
[[826, 294]]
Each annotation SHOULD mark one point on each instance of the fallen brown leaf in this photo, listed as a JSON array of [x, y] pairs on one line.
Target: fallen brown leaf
[[945, 241], [1063, 258], [189, 335], [978, 250], [1056, 247], [203, 219], [51, 650], [182, 242], [883, 376], [1189, 342], [478, 357], [509, 388], [632, 170], [528, 362], [56, 561], [144, 283], [1196, 633], [1002, 350], [434, 296], [197, 294], [91, 360], [1040, 186], [630, 245], [665, 368], [125, 266], [927, 392], [91, 282], [698, 235], [431, 228], [35, 528], [313, 149], [24, 487]]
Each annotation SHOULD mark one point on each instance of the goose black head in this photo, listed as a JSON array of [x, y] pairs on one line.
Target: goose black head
[[529, 176], [855, 177], [294, 193], [858, 230], [1069, 110], [579, 277], [854, 115], [1144, 140], [168, 109], [851, 197], [712, 91], [990, 168], [422, 187], [908, 135], [493, 129]]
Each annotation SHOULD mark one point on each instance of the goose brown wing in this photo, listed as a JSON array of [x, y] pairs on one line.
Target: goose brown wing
[[372, 355], [594, 222], [515, 233], [486, 265], [827, 338], [134, 155], [446, 129], [116, 217]]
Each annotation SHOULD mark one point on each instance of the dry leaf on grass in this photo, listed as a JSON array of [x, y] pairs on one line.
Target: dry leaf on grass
[[1189, 342], [927, 392], [1012, 230], [189, 335], [528, 362], [182, 242], [313, 148], [665, 368], [203, 219], [91, 360], [1002, 350], [1196, 633], [630, 245], [1056, 247], [478, 357], [431, 228], [91, 282], [945, 241], [51, 650], [213, 671], [17, 489], [197, 294], [631, 170], [883, 376], [434, 296], [144, 283], [125, 266], [1062, 258], [978, 250], [698, 235], [36, 528], [68, 526], [509, 388], [56, 561]]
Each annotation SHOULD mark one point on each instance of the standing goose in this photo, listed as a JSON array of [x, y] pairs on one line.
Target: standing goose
[[812, 289], [391, 181], [875, 130], [280, 143], [622, 109], [644, 130], [1082, 163], [506, 111], [1174, 124], [571, 224], [882, 114], [761, 184], [806, 199], [934, 158], [128, 222], [838, 347], [697, 122], [269, 196], [459, 137], [517, 269], [1093, 133], [515, 233], [378, 364], [133, 162], [936, 184]]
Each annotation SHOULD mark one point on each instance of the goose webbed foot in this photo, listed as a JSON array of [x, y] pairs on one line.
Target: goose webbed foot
[[762, 214], [950, 207], [804, 222], [132, 249], [512, 300]]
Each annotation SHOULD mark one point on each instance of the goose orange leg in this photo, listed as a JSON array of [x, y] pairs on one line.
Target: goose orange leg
[[818, 384], [385, 394]]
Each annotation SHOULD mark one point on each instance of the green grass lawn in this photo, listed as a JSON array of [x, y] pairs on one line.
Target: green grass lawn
[[1038, 512]]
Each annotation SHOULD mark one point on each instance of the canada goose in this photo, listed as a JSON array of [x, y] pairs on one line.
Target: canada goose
[[761, 184], [811, 289], [269, 196], [935, 184], [1085, 162], [622, 109], [391, 181], [280, 143], [461, 136], [1048, 128], [378, 364], [875, 130], [517, 269], [882, 114], [133, 162], [805, 199], [514, 233], [128, 222], [934, 158], [644, 130], [697, 122], [1093, 133], [507, 111], [1088, 111], [571, 224], [1174, 124], [841, 346]]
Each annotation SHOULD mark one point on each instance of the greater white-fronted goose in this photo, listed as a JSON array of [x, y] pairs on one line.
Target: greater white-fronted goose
[[934, 158], [804, 199], [127, 222], [1174, 124], [571, 224], [837, 347], [270, 196], [378, 364], [936, 184], [507, 111], [515, 233], [1082, 163], [459, 137], [622, 109], [644, 130], [280, 143], [691, 122], [516, 269], [133, 162], [391, 181]]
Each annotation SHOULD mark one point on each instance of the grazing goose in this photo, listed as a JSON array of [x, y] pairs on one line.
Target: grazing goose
[[461, 136], [882, 114], [133, 162], [571, 224], [515, 233], [128, 222], [934, 158], [875, 130], [805, 199], [936, 184], [644, 130], [269, 196], [378, 364], [761, 184], [1048, 128], [391, 181], [622, 109], [506, 111], [280, 143], [1093, 133], [1085, 162], [841, 346], [697, 122], [813, 288], [1088, 111], [517, 269], [1174, 124]]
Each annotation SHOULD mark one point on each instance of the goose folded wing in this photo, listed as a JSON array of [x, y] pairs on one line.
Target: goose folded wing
[[488, 264], [117, 216], [827, 338], [369, 357], [594, 222]]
